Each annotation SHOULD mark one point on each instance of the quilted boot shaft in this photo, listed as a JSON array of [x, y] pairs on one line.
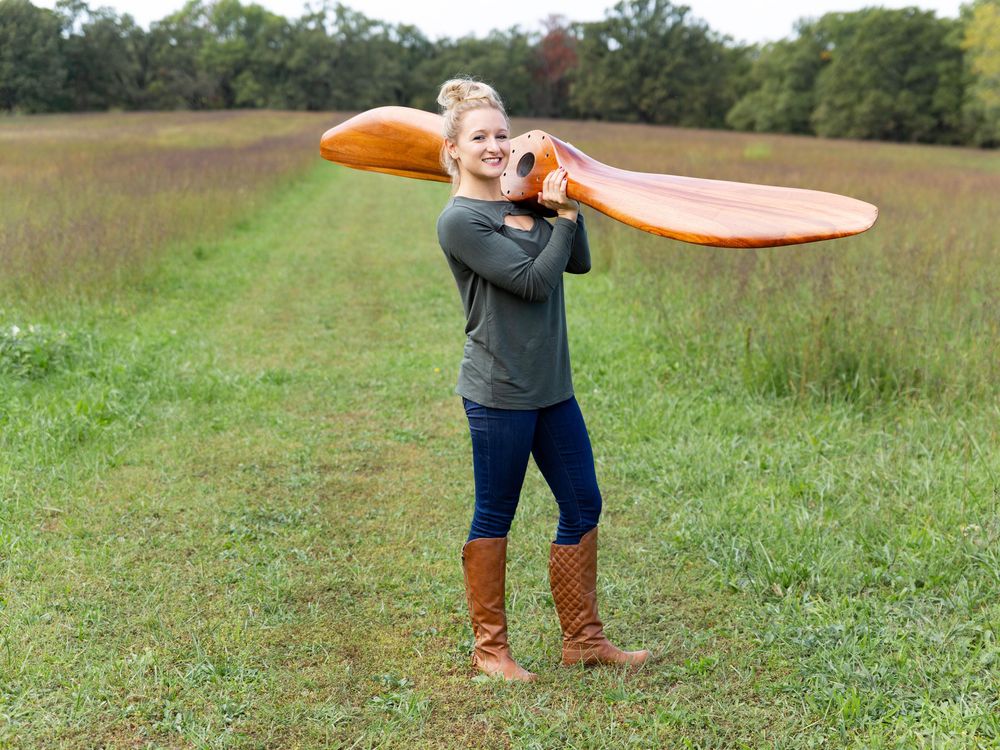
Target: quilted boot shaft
[[484, 562], [573, 577]]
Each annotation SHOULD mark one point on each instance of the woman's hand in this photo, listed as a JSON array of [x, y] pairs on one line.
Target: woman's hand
[[553, 194]]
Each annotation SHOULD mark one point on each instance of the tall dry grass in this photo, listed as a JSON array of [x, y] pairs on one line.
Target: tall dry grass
[[90, 201], [909, 309]]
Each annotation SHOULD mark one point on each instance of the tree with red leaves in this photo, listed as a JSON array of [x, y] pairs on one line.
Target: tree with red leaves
[[556, 59]]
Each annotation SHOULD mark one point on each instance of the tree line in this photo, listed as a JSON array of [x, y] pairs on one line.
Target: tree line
[[901, 75]]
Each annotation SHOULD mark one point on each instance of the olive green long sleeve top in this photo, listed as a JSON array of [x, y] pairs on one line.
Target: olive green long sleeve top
[[516, 351]]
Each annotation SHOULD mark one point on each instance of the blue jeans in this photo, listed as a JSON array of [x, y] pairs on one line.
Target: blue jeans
[[556, 436]]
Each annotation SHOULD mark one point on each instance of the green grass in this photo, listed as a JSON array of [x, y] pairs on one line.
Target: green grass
[[233, 499]]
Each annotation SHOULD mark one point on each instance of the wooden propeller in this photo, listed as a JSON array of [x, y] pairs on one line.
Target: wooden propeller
[[407, 142]]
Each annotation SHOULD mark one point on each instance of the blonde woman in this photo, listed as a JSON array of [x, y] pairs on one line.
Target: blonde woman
[[515, 380]]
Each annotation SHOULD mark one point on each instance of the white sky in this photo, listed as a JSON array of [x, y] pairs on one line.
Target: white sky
[[744, 20]]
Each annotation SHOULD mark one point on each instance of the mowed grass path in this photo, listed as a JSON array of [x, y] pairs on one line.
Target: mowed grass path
[[267, 554]]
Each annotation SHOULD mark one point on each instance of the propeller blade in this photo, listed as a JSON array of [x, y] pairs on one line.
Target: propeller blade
[[394, 140], [407, 142]]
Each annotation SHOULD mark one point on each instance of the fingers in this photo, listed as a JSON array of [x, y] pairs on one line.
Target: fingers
[[554, 188], [559, 178], [549, 184]]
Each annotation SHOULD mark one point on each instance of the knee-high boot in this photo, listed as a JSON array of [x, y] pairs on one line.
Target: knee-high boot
[[484, 562], [573, 577]]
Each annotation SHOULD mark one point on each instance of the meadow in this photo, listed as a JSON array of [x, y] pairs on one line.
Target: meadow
[[89, 200], [235, 480]]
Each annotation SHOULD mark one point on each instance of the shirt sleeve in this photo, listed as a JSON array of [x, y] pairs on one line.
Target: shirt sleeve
[[579, 257], [470, 238]]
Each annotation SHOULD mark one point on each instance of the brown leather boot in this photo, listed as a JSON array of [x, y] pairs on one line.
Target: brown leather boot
[[573, 577], [484, 562]]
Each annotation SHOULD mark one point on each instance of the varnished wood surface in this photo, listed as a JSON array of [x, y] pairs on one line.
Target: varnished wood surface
[[407, 142], [395, 140]]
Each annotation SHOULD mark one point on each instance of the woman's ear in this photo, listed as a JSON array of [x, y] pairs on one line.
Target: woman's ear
[[451, 147]]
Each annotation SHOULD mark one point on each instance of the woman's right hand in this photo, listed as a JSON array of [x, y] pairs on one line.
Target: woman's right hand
[[554, 196]]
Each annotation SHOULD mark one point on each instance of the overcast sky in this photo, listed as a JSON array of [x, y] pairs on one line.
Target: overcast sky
[[744, 20]]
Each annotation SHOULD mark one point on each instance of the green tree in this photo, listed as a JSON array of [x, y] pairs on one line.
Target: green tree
[[309, 65], [367, 62], [244, 52], [504, 59], [221, 54], [103, 54], [176, 75], [32, 69], [893, 75], [783, 81], [981, 42], [648, 62]]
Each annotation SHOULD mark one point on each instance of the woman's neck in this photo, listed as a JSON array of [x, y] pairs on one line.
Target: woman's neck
[[479, 190]]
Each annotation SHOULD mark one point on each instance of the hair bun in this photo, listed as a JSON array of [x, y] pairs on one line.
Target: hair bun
[[459, 90]]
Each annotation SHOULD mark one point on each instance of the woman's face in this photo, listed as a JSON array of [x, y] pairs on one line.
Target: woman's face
[[483, 145]]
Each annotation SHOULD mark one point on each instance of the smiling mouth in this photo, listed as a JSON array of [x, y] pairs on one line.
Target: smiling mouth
[[494, 160]]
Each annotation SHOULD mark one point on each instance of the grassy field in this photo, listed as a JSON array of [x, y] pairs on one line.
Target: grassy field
[[234, 487], [90, 200]]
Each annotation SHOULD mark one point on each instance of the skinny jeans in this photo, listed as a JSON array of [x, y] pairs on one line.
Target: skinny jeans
[[556, 437]]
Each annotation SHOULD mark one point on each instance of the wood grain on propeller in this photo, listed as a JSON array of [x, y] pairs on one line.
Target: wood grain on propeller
[[407, 142]]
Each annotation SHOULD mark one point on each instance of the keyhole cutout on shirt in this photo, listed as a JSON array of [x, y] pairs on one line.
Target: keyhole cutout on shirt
[[524, 223]]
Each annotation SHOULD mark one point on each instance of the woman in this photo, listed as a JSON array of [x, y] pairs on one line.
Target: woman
[[515, 380]]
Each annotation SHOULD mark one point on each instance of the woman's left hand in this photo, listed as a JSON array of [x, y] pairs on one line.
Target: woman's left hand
[[554, 196]]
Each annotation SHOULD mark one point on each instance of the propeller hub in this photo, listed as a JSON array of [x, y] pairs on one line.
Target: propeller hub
[[532, 156]]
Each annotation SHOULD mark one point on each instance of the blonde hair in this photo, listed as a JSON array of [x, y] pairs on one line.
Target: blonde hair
[[456, 97]]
